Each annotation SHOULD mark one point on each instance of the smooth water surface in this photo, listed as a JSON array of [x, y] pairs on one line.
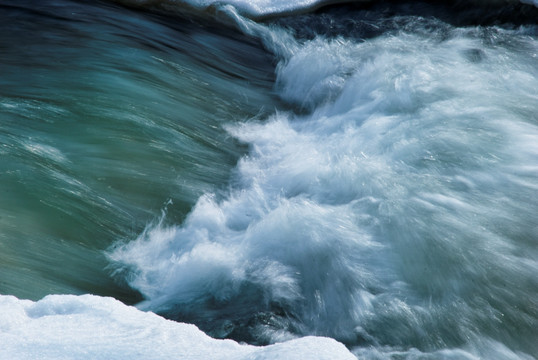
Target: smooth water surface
[[105, 117]]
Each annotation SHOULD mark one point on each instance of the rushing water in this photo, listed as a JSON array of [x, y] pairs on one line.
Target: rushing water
[[366, 172], [106, 115]]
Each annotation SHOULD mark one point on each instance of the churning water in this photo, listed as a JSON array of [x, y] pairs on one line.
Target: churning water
[[367, 172]]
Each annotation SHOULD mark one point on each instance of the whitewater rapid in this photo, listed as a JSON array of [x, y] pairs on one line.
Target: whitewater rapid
[[270, 8], [387, 202], [397, 207]]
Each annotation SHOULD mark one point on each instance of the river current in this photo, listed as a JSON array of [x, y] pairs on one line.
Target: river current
[[364, 171]]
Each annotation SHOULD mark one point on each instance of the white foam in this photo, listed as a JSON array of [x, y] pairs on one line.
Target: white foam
[[262, 8], [354, 217], [91, 327], [257, 8], [45, 151], [485, 349]]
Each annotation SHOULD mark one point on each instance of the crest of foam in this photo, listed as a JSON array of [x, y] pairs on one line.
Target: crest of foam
[[263, 8], [336, 214]]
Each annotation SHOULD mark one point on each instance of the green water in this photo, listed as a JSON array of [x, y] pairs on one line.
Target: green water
[[107, 118]]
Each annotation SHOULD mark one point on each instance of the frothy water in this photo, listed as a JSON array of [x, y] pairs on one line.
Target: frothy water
[[270, 8], [366, 173], [395, 209]]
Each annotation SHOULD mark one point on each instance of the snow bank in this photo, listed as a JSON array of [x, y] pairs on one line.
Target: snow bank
[[91, 327]]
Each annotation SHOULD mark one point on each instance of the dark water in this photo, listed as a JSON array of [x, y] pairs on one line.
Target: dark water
[[367, 172]]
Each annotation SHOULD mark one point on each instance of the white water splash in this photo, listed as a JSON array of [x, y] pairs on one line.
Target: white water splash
[[265, 8], [397, 212]]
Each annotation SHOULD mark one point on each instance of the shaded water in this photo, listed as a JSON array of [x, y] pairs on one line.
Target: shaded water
[[366, 172]]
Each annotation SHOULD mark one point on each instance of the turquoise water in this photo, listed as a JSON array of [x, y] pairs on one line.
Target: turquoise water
[[366, 172], [107, 116]]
